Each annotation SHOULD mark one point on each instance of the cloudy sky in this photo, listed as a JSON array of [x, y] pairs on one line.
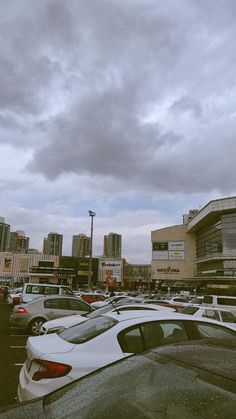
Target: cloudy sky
[[125, 107]]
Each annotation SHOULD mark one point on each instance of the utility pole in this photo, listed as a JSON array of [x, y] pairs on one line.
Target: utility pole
[[92, 215]]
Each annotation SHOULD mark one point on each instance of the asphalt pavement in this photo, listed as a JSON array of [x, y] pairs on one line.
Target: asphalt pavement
[[12, 356]]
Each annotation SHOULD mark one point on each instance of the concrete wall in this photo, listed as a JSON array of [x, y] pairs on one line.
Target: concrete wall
[[174, 269]]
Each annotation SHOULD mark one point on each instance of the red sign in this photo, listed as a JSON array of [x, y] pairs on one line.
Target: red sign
[[109, 272], [110, 282]]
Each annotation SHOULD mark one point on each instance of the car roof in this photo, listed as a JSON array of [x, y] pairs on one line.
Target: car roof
[[163, 315], [53, 296], [146, 315], [210, 307], [146, 307]]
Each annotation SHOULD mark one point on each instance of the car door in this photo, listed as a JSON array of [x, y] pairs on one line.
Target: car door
[[148, 335], [77, 307], [56, 307]]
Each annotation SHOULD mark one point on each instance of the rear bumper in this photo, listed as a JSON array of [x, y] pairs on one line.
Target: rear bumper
[[29, 389]]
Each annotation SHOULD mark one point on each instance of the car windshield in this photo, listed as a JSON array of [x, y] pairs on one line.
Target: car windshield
[[189, 310], [145, 386], [83, 332], [99, 311]]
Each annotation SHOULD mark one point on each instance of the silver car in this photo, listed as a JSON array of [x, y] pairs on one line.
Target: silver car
[[31, 316]]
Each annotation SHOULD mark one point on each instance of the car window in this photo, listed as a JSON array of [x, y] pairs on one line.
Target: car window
[[214, 331], [189, 310], [34, 289], [56, 303], [66, 291], [227, 317], [211, 314], [173, 331], [208, 299], [77, 305], [51, 290], [83, 332], [99, 311], [226, 301], [150, 335], [131, 341]]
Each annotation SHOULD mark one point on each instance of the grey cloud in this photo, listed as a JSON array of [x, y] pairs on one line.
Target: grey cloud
[[187, 104], [91, 74]]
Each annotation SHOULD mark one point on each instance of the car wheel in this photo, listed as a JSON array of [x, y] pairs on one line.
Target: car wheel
[[35, 326]]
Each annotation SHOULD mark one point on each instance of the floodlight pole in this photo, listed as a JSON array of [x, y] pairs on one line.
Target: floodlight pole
[[92, 215]]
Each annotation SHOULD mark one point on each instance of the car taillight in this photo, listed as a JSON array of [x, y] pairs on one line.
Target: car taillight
[[21, 310], [49, 369]]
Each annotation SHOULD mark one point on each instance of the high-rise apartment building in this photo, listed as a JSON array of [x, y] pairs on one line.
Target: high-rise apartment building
[[18, 242], [112, 245], [52, 245], [4, 235], [81, 245]]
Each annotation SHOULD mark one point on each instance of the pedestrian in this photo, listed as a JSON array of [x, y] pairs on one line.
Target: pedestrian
[[112, 293], [5, 293]]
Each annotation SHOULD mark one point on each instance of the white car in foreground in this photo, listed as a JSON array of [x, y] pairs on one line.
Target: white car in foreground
[[221, 315], [62, 323], [58, 359]]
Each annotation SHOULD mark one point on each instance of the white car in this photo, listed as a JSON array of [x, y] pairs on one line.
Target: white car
[[109, 300], [224, 316], [58, 359], [57, 325]]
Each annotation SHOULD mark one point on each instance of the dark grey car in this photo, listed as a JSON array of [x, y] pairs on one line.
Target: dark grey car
[[181, 381], [31, 316]]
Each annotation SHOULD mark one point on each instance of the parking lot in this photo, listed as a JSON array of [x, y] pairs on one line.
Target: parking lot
[[12, 355]]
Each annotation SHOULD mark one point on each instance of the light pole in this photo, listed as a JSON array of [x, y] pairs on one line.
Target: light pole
[[91, 214]]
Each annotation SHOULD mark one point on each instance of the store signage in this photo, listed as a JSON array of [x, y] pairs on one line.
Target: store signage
[[157, 255], [176, 255], [168, 270], [176, 245]]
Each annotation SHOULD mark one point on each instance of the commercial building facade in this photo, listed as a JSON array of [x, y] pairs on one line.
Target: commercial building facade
[[200, 254]]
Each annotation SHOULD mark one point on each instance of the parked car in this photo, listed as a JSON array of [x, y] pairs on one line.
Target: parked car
[[181, 382], [220, 301], [115, 299], [57, 325], [221, 315], [91, 297], [31, 316], [14, 296], [165, 303], [57, 359], [32, 291]]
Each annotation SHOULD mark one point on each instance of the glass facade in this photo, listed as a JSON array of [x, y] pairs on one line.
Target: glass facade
[[229, 234], [209, 241], [214, 243]]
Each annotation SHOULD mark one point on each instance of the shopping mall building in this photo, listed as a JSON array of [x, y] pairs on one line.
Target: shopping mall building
[[200, 254]]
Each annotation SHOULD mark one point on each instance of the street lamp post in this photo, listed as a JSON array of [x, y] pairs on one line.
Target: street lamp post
[[92, 215]]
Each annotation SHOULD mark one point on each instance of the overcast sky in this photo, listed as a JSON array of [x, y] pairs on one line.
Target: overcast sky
[[125, 107]]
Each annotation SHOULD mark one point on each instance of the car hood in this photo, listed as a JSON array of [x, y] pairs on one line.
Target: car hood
[[49, 344], [65, 321]]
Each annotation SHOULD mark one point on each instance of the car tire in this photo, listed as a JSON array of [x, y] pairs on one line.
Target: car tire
[[35, 326]]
